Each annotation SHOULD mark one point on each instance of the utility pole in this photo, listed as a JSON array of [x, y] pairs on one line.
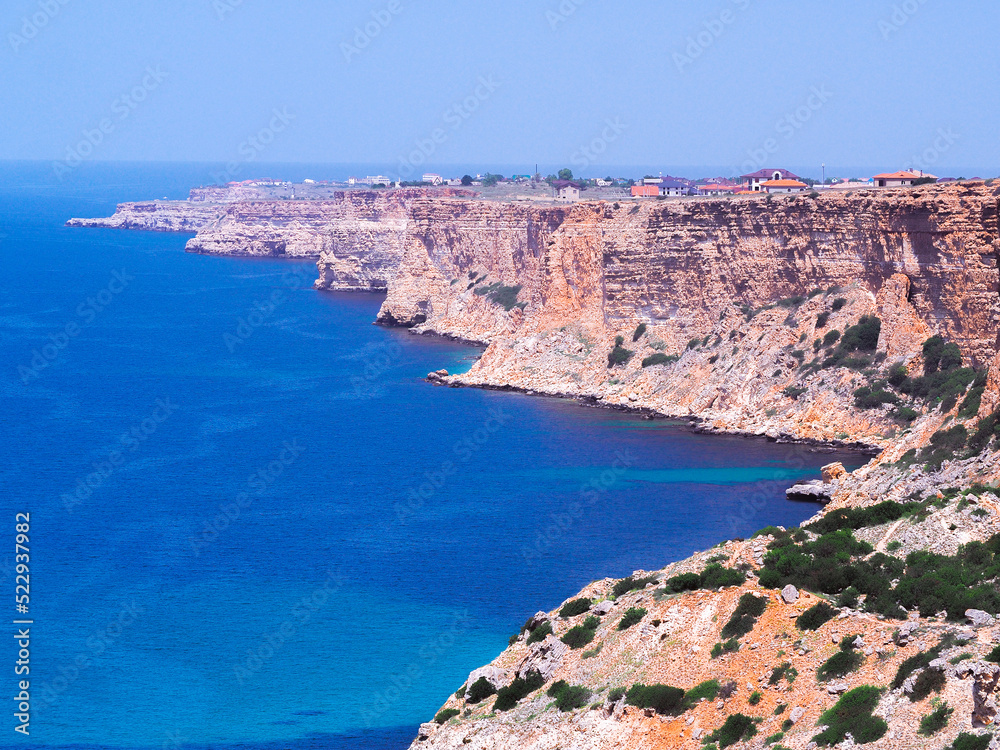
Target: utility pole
[[824, 174]]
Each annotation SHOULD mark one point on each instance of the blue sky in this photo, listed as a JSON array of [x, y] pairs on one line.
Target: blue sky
[[584, 83]]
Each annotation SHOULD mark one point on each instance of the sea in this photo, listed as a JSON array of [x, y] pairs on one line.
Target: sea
[[249, 520]]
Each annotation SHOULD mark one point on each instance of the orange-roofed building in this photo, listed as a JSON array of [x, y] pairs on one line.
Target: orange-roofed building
[[645, 191], [714, 189], [784, 186], [904, 178]]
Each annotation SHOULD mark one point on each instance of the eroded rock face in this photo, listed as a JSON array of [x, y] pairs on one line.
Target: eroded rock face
[[157, 216], [543, 657], [705, 278]]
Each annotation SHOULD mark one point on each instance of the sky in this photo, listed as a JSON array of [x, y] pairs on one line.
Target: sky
[[595, 86]]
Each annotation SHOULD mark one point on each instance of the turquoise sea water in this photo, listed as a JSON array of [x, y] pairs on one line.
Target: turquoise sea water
[[253, 524]]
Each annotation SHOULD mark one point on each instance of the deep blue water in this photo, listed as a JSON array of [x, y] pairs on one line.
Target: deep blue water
[[288, 538]]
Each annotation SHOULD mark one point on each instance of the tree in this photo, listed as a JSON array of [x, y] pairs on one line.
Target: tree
[[466, 180], [491, 179], [565, 174]]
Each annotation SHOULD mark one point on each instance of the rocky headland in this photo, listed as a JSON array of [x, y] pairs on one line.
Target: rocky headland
[[867, 319]]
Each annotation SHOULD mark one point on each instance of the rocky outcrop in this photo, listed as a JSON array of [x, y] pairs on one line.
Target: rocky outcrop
[[157, 216]]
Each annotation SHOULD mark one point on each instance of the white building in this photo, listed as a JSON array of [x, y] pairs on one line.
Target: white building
[[433, 179]]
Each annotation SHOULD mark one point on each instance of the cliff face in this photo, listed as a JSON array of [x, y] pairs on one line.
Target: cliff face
[[156, 216], [740, 276]]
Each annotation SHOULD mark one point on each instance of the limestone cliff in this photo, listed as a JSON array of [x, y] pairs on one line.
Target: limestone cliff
[[737, 291], [157, 216]]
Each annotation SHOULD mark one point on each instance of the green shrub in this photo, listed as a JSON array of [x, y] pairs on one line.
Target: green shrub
[[853, 713], [838, 303], [842, 663], [714, 576], [664, 699], [508, 697], [815, 616], [994, 655], [754, 698], [591, 653], [866, 397], [575, 607], [968, 741], [539, 633], [578, 636], [729, 647], [745, 616], [446, 713], [989, 428], [631, 583], [821, 319], [659, 359], [780, 709], [783, 670], [619, 355], [831, 337], [737, 727], [631, 617], [857, 518], [568, 697], [693, 343], [505, 296], [481, 688], [794, 391], [774, 738], [905, 414], [927, 682], [898, 375], [639, 330], [707, 690], [936, 720], [616, 695], [945, 445]]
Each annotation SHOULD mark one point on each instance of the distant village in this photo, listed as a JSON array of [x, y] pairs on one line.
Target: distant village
[[564, 188]]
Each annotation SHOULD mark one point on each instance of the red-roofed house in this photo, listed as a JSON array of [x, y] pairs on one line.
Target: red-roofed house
[[755, 180], [898, 179]]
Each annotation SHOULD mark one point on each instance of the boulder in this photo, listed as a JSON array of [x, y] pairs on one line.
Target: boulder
[[602, 608], [796, 714], [426, 731], [979, 619], [790, 594], [815, 491], [544, 658], [836, 688], [832, 472]]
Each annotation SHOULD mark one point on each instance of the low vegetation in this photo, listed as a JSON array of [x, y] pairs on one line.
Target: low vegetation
[[847, 659], [737, 728], [745, 616], [631, 583], [580, 635], [539, 633], [853, 714], [619, 355], [664, 699], [480, 689], [714, 576], [446, 713], [639, 330], [508, 697], [575, 607], [632, 616], [936, 720], [659, 359], [568, 697]]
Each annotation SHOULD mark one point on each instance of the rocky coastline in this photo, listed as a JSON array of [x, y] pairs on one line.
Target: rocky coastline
[[868, 320]]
